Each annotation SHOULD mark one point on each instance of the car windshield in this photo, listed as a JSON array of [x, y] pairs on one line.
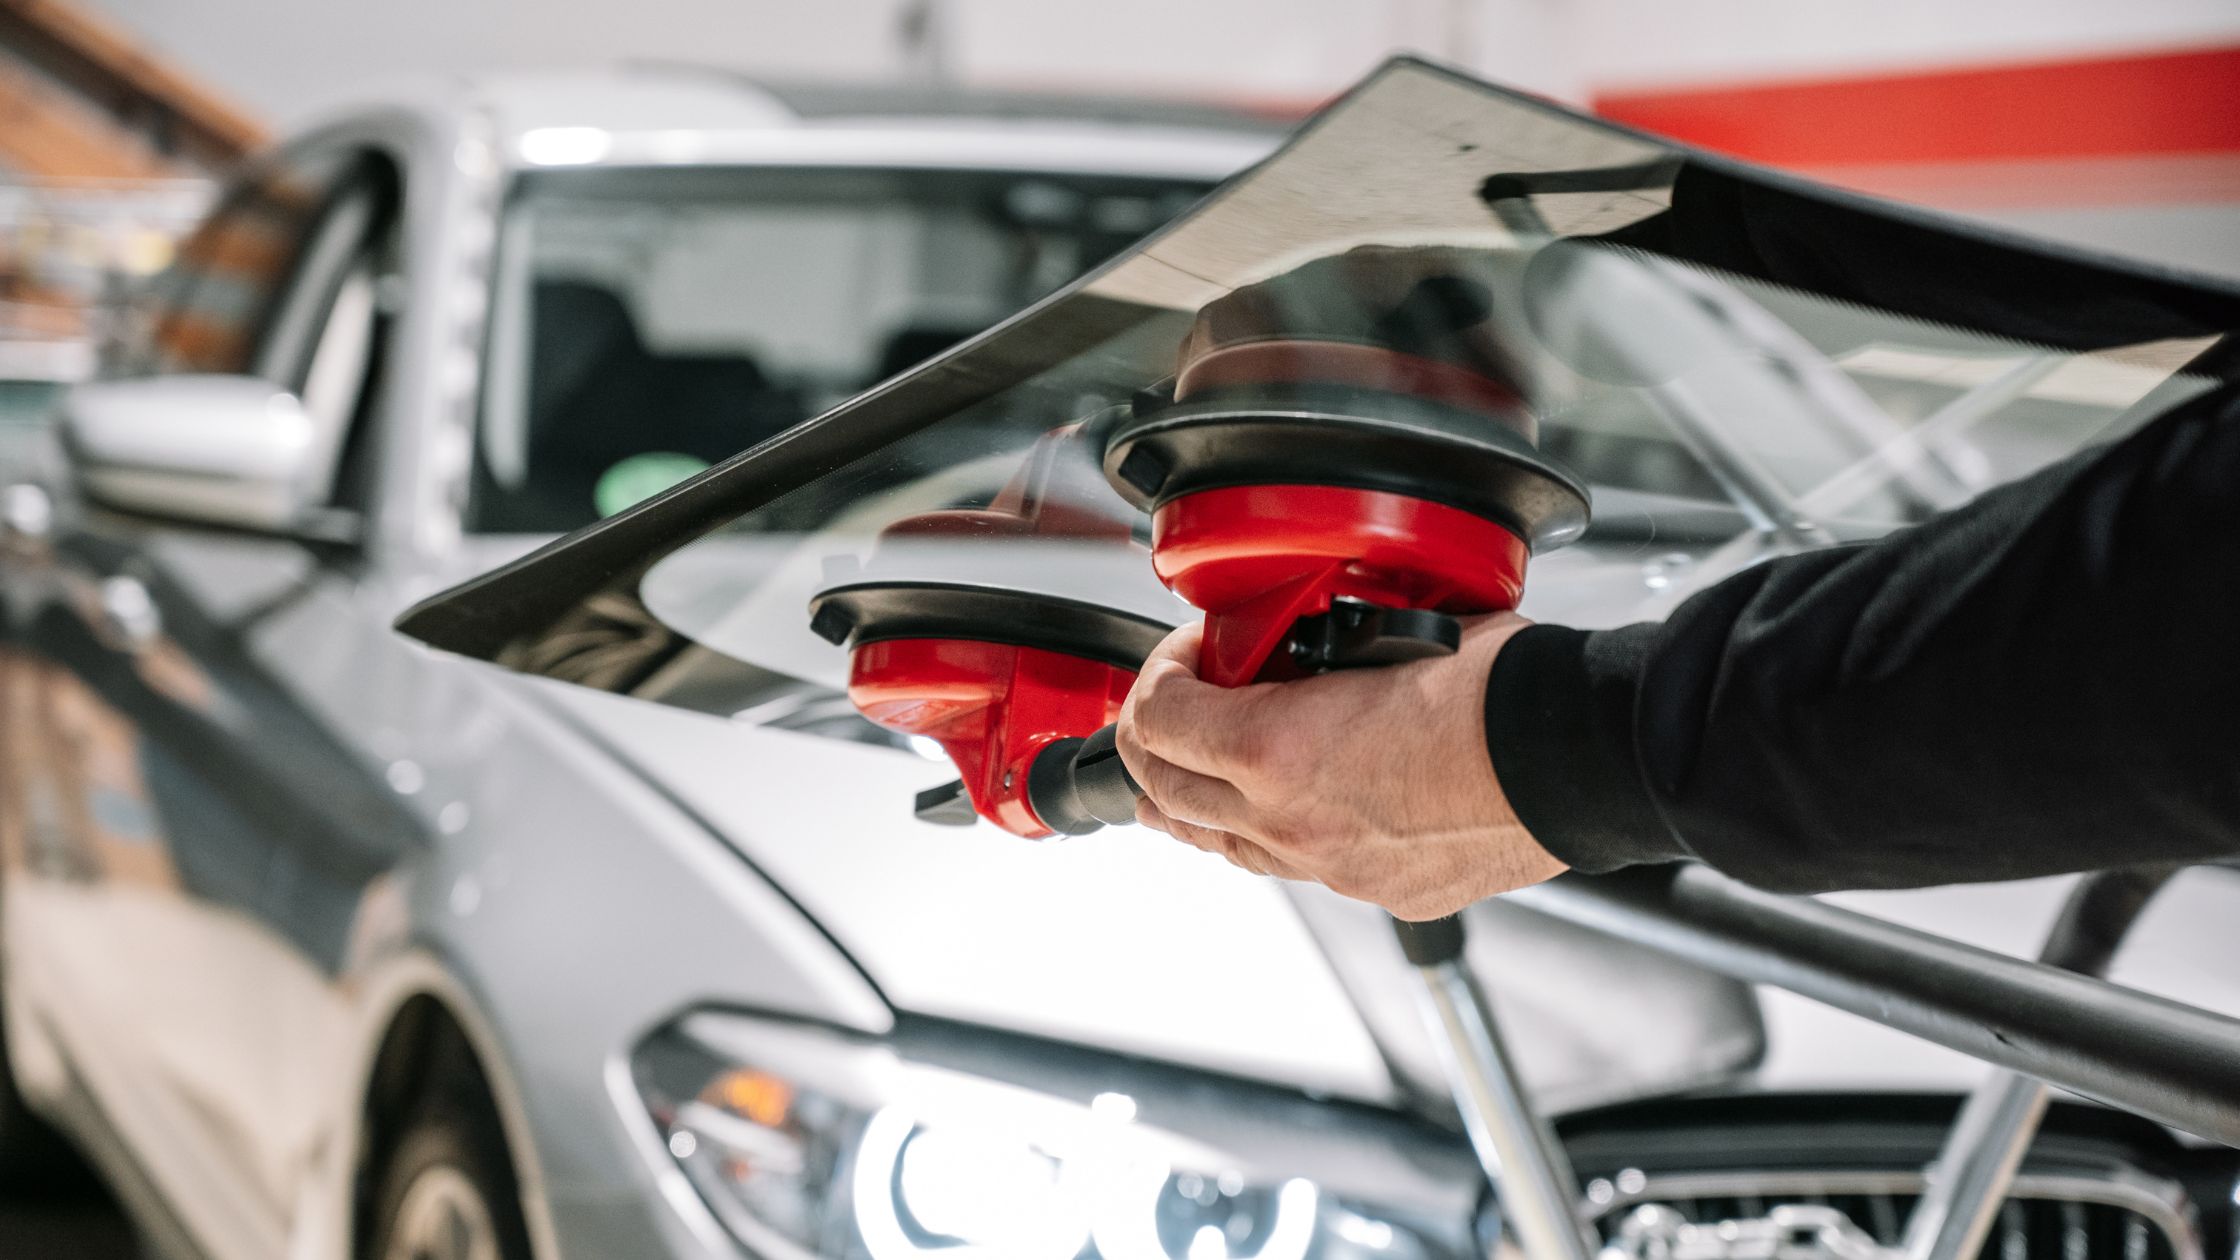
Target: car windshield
[[648, 323], [1731, 363]]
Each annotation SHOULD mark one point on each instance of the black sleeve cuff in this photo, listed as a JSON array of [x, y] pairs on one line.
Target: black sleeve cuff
[[1559, 724]]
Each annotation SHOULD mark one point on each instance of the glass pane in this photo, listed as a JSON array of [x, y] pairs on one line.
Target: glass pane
[[1730, 364]]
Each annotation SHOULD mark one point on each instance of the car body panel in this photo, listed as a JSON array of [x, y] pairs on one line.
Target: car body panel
[[1150, 949]]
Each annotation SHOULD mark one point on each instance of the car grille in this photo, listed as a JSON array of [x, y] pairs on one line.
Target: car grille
[[2048, 1217]]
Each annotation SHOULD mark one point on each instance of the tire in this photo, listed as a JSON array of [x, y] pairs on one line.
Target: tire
[[449, 1193], [33, 1156]]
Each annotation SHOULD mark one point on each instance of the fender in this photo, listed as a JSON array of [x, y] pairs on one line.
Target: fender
[[326, 1220]]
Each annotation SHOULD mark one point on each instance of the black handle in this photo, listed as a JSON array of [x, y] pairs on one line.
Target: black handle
[[1430, 943], [1078, 785]]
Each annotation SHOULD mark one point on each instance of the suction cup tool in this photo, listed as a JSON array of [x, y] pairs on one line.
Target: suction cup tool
[[1292, 482], [1334, 498], [951, 637]]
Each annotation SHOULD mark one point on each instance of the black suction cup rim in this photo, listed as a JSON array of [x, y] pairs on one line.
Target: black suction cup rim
[[861, 613], [1350, 438]]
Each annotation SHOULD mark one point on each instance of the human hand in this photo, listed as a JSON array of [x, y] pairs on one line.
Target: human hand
[[1373, 782]]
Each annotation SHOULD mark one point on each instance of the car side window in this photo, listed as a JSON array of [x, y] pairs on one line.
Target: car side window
[[326, 336], [283, 281], [211, 308]]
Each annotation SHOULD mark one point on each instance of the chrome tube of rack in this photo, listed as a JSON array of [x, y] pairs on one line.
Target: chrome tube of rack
[[1539, 1194], [2164, 1060], [1976, 1168], [1972, 1174]]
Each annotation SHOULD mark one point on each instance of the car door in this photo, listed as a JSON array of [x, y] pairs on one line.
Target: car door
[[180, 808]]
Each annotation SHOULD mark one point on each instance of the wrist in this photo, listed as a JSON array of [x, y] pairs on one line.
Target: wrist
[[1509, 855], [1558, 733]]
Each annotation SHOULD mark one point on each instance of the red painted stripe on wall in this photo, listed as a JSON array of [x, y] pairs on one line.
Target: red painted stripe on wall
[[2145, 180], [2162, 103]]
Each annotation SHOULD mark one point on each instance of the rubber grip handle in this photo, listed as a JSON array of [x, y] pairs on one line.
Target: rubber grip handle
[[1102, 777], [1078, 785], [1431, 943]]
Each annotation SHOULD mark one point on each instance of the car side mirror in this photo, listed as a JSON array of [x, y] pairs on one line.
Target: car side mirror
[[231, 451]]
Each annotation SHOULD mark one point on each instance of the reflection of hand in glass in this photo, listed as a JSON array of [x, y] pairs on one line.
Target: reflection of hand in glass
[[1435, 303]]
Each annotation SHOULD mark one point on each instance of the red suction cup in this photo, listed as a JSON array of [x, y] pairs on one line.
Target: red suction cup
[[945, 643], [1303, 493]]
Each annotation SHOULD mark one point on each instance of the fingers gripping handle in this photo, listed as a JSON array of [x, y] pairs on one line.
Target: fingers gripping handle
[[1076, 786]]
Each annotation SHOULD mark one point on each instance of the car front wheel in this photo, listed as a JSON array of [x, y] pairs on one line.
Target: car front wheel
[[449, 1194], [33, 1157]]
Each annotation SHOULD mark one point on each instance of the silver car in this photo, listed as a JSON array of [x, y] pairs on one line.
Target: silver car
[[324, 944]]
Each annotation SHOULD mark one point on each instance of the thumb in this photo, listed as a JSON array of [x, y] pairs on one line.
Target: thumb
[[1179, 648]]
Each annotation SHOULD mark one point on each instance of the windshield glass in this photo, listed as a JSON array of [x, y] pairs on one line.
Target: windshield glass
[[649, 323], [1729, 364]]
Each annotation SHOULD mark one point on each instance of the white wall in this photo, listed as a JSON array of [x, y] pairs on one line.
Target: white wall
[[286, 58], [289, 59], [1288, 52]]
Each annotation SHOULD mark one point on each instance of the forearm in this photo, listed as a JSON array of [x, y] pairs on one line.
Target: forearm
[[2044, 680]]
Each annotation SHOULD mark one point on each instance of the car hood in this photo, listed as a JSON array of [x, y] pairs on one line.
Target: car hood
[[1128, 942]]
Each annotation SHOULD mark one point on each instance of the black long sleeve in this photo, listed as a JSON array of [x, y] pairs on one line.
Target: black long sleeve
[[2044, 680]]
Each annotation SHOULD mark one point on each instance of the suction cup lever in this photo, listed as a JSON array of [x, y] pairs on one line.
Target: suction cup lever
[[948, 805], [1355, 634]]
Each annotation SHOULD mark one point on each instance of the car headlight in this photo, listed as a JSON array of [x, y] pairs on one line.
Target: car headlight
[[947, 1144]]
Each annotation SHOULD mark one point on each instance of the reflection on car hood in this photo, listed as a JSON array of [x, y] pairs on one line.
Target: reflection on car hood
[[1130, 942], [1122, 941]]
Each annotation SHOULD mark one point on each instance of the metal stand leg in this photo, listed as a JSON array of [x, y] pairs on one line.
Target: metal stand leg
[[1981, 1155], [1973, 1172], [1539, 1194]]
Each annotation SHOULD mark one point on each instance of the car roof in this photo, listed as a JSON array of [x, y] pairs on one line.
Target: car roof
[[684, 115]]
